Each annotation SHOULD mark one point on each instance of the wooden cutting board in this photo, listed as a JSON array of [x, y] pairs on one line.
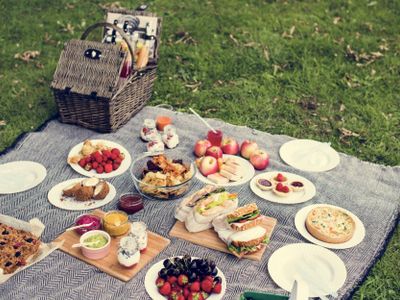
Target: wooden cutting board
[[209, 238], [109, 264]]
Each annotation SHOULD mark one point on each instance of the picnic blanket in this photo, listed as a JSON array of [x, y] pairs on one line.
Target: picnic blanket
[[368, 190]]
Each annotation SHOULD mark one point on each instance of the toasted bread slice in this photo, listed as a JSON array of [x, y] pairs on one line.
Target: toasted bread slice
[[330, 225], [246, 225], [229, 175], [249, 208], [249, 237]]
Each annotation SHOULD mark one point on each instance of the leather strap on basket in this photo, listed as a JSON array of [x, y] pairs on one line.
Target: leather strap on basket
[[119, 30]]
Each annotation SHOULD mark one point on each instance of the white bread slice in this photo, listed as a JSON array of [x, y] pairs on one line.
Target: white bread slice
[[230, 161], [232, 168], [217, 178], [249, 237], [230, 176]]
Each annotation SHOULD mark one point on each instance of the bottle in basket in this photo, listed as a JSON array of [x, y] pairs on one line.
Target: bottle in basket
[[126, 68]]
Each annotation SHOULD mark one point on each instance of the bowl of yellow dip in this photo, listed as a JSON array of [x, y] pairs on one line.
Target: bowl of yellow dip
[[95, 244], [116, 222]]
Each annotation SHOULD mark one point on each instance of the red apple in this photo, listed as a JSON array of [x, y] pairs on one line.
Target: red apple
[[230, 146], [259, 159], [208, 165], [201, 147], [247, 148], [214, 151]]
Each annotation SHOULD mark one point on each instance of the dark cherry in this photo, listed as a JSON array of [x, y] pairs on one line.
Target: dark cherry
[[9, 263], [217, 279], [17, 254], [163, 273], [5, 232], [29, 240], [297, 184]]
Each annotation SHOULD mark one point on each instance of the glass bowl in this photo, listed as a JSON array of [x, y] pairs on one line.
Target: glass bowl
[[155, 192]]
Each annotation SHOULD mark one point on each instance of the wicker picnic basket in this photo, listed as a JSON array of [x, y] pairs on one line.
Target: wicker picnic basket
[[88, 90]]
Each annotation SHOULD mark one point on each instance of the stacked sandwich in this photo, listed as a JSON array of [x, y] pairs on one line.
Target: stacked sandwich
[[201, 208], [241, 230]]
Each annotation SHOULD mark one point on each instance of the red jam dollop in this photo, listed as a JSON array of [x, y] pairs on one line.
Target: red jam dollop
[[130, 203], [87, 219]]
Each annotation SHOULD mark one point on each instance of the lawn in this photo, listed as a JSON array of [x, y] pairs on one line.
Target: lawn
[[327, 70]]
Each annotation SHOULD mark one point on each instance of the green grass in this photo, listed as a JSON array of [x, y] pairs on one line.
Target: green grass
[[247, 71]]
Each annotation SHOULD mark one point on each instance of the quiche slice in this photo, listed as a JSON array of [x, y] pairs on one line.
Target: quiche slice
[[330, 225]]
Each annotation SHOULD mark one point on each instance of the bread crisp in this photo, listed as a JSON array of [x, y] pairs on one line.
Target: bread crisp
[[243, 210], [330, 225]]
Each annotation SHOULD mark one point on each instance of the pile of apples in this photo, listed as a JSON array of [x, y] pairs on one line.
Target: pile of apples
[[211, 155]]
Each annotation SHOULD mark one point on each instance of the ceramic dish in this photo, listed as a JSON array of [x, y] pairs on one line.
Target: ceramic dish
[[306, 194], [248, 173], [300, 221], [309, 155], [122, 169], [320, 268], [152, 274], [19, 176], [57, 199]]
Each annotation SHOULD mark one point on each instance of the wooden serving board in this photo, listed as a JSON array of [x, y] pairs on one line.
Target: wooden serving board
[[109, 264], [209, 238]]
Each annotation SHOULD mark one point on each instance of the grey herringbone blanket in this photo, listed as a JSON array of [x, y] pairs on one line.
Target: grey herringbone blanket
[[368, 190]]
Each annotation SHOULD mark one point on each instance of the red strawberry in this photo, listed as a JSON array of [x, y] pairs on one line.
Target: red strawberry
[[160, 282], [209, 277], [195, 286], [116, 151], [172, 279], [99, 158], [115, 166], [82, 162], [88, 158], [217, 288], [109, 162], [280, 177], [181, 297], [113, 156], [207, 286], [285, 189], [174, 295], [183, 280], [165, 290], [108, 168], [99, 169], [279, 187], [196, 296], [106, 153], [118, 160], [186, 291], [95, 164]]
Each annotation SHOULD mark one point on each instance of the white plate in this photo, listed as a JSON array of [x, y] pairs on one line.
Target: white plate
[[246, 166], [293, 198], [19, 176], [309, 155], [152, 274], [122, 168], [320, 268], [55, 195], [300, 223]]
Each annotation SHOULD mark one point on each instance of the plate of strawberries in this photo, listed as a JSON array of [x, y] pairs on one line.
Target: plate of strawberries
[[185, 278], [100, 158]]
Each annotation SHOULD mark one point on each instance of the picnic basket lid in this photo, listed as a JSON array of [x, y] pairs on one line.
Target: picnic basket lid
[[89, 67]]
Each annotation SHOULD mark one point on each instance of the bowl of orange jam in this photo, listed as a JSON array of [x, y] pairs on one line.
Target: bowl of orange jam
[[116, 223]]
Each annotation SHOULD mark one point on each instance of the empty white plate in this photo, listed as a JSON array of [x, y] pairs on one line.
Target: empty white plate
[[320, 268], [19, 176], [246, 166], [56, 198], [152, 274], [293, 198], [300, 223], [309, 155], [122, 168]]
